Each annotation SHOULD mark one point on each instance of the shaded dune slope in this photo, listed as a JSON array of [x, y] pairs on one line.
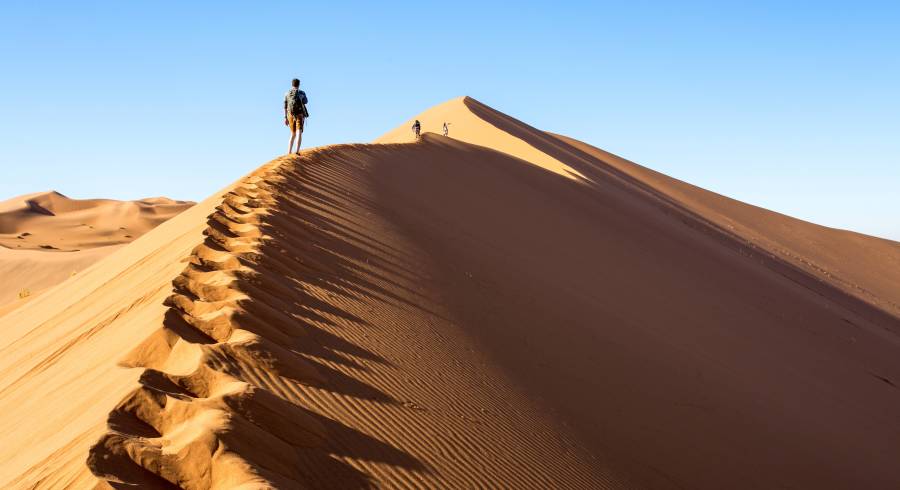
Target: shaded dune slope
[[861, 267], [446, 315], [684, 362]]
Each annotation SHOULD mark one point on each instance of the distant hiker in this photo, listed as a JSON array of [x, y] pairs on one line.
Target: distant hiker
[[446, 129], [417, 128], [295, 112]]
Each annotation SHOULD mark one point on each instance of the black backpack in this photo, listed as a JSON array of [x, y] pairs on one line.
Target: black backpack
[[297, 103]]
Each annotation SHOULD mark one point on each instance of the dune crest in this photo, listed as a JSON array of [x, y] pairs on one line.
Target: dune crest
[[467, 124], [453, 314], [173, 428], [221, 401]]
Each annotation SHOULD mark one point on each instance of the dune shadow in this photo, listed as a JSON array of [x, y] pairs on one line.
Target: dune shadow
[[346, 441]]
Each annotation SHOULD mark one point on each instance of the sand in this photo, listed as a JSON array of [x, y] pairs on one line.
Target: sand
[[46, 237], [505, 308]]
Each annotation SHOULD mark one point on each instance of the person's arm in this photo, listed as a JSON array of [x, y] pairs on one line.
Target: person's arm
[[285, 110]]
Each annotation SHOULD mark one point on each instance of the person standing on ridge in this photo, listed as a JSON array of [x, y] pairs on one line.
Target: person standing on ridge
[[417, 128], [295, 112], [446, 129]]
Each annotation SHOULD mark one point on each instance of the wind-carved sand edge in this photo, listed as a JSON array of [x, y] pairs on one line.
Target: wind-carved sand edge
[[193, 416]]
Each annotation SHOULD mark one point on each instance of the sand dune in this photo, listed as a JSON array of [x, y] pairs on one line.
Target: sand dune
[[47, 237], [865, 267], [505, 308]]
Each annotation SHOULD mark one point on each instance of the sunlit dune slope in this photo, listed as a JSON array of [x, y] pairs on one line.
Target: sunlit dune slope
[[509, 309], [47, 237]]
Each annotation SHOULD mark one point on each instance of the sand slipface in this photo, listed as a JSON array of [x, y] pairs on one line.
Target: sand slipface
[[505, 308], [46, 237]]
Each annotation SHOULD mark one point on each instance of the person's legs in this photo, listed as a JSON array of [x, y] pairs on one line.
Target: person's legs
[[292, 125], [299, 132]]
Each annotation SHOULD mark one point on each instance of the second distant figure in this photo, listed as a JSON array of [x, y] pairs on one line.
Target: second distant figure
[[446, 129], [295, 113], [417, 128]]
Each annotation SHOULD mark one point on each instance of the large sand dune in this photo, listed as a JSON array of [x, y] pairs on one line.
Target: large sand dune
[[505, 308], [47, 237]]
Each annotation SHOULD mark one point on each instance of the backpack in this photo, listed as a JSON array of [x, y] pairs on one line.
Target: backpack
[[297, 103]]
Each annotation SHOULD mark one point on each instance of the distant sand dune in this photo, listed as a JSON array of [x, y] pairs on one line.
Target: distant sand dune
[[505, 308], [47, 237]]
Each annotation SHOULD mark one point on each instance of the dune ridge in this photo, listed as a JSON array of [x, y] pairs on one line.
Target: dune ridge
[[221, 402], [173, 428]]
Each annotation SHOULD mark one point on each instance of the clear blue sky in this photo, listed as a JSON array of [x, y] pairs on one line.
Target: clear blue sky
[[794, 106]]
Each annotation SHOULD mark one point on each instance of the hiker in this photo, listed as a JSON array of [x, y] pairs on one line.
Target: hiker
[[295, 112], [446, 129], [417, 127]]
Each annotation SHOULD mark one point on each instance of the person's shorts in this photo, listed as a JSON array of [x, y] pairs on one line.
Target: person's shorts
[[295, 123]]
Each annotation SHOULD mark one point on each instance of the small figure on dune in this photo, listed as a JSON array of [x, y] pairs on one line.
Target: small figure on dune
[[417, 128], [446, 129], [295, 113]]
